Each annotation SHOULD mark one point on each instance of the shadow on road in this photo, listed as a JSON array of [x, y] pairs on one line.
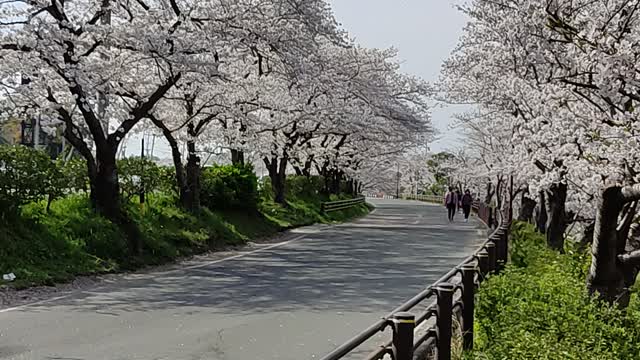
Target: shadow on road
[[371, 265]]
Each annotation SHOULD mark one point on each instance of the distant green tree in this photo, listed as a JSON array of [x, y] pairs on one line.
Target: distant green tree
[[439, 167]]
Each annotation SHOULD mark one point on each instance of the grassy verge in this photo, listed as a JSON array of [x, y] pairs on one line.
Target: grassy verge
[[43, 248], [538, 308]]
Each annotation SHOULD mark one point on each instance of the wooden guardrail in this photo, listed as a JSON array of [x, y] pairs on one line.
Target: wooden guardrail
[[341, 204], [454, 296]]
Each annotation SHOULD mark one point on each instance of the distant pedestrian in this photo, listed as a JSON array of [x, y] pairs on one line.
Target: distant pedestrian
[[466, 201], [451, 202], [459, 203]]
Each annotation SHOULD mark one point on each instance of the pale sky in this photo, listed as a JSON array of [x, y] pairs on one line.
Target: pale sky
[[424, 32]]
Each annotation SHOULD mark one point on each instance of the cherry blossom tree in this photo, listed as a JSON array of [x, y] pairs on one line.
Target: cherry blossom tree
[[555, 82], [344, 108], [86, 64]]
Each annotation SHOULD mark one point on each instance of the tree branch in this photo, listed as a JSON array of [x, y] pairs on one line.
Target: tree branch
[[142, 110]]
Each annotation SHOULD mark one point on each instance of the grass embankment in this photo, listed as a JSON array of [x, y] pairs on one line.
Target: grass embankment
[[538, 308], [43, 248]]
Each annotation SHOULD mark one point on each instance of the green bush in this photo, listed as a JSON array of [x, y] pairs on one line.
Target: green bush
[[229, 187], [538, 308], [167, 180], [26, 175], [74, 175], [305, 187], [29, 175], [135, 173]]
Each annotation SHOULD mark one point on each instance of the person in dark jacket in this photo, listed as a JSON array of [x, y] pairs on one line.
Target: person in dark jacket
[[466, 201]]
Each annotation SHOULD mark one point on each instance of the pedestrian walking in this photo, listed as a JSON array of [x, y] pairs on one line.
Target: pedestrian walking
[[466, 201], [451, 203]]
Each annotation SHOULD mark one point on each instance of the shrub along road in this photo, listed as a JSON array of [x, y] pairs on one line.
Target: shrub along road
[[296, 300]]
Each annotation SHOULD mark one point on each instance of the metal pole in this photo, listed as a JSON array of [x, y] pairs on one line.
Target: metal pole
[[483, 263], [497, 240], [491, 249], [398, 182], [142, 197], [504, 252], [505, 241], [403, 325], [444, 292], [468, 288]]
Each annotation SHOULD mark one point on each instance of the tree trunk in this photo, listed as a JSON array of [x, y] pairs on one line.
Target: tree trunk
[[105, 196], [527, 205], [192, 195], [555, 204], [354, 187], [487, 199], [181, 179], [541, 215], [615, 248], [105, 189], [606, 275], [306, 171], [277, 173], [586, 238], [237, 157], [335, 182]]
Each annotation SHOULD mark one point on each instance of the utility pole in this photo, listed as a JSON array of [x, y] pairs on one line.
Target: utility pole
[[142, 175], [398, 182]]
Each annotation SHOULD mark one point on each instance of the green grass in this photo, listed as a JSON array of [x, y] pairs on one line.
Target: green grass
[[538, 308], [301, 210], [43, 248]]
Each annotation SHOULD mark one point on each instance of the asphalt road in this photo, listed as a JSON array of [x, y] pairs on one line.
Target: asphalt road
[[294, 300]]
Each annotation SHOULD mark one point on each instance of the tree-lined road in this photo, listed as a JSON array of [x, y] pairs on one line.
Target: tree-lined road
[[297, 300]]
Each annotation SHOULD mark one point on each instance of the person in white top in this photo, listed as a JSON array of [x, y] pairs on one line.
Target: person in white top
[[451, 202]]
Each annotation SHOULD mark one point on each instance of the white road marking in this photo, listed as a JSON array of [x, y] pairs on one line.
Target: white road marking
[[273, 246], [297, 238]]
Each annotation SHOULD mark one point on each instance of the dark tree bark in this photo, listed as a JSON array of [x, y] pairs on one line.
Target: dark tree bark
[[541, 213], [335, 182], [615, 258], [355, 185], [277, 173], [192, 195], [586, 237], [489, 196], [181, 177], [237, 157], [105, 197], [306, 171], [527, 206], [556, 217]]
